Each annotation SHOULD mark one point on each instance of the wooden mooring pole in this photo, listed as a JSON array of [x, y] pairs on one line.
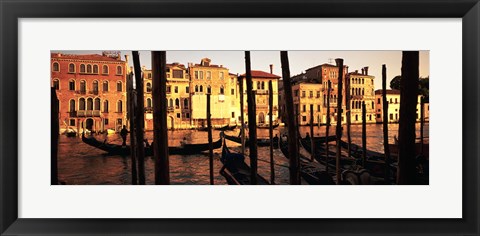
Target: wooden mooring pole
[[364, 134], [252, 122], [312, 142], [349, 116], [327, 127], [131, 119], [339, 62], [54, 136], [406, 173], [270, 131], [422, 122], [242, 116], [160, 130], [290, 113], [386, 148], [210, 145], [139, 120]]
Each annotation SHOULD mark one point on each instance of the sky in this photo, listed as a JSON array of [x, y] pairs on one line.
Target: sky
[[299, 60]]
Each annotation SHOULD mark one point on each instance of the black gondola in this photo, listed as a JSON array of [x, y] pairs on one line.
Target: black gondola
[[115, 149], [222, 128], [310, 171], [235, 170], [260, 142], [267, 126]]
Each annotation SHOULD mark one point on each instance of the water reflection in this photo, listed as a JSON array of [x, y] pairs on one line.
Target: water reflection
[[81, 164]]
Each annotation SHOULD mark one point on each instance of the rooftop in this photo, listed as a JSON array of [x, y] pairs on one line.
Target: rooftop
[[93, 57], [389, 91], [261, 74]]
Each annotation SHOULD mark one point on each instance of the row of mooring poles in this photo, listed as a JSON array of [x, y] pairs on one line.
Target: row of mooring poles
[[131, 119], [339, 62], [54, 136], [270, 131], [252, 122], [292, 129], [386, 148]]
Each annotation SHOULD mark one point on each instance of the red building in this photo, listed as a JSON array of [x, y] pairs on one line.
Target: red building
[[91, 90]]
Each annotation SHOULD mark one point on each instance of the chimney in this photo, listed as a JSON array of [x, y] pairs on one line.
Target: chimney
[[363, 71], [126, 58], [356, 71], [271, 68], [346, 69], [366, 70]]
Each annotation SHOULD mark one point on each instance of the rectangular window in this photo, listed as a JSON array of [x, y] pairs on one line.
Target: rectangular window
[[201, 74], [233, 114], [318, 94], [187, 115], [303, 94], [178, 115], [169, 89], [209, 75], [378, 115], [296, 93], [318, 107], [396, 100], [196, 74], [72, 122], [304, 108], [176, 89], [232, 92], [221, 77], [311, 94], [106, 121], [187, 89], [178, 74], [391, 116], [304, 118], [378, 101]]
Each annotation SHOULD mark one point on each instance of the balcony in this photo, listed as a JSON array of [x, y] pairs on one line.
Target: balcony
[[85, 113], [170, 109], [94, 92], [261, 91], [148, 109], [72, 113]]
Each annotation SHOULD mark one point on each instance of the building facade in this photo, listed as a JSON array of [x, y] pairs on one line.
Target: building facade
[[260, 81], [393, 99], [91, 91], [307, 92], [362, 89]]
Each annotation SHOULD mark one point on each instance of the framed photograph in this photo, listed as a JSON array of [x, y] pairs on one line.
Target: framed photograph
[[139, 117]]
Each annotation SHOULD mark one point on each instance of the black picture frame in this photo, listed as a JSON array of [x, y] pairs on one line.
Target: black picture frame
[[11, 11]]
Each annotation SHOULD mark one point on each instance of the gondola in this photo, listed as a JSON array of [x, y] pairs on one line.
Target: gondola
[[71, 133], [309, 171], [230, 128], [222, 128], [260, 142], [266, 126], [320, 154], [115, 149], [235, 170]]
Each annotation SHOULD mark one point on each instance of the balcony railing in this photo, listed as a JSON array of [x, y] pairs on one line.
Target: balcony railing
[[170, 109], [85, 113], [148, 109]]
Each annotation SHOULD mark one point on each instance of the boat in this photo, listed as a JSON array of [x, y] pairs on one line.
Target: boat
[[311, 172], [267, 126], [70, 133], [320, 154], [115, 149], [230, 128], [222, 128], [262, 142], [235, 170]]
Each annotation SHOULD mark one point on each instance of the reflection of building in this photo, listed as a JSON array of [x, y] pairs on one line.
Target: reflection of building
[[178, 97], [362, 89], [260, 80], [393, 99], [206, 78], [90, 89]]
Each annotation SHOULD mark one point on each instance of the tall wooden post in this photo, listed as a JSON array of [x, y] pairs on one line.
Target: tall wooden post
[[364, 133], [292, 134], [386, 148], [252, 122], [406, 128], [139, 118], [210, 145], [54, 136], [422, 122], [270, 132], [242, 117], [160, 130], [131, 119], [312, 142], [349, 115], [327, 127], [339, 62]]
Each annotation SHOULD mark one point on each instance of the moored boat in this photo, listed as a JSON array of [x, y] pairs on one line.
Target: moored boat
[[266, 126], [265, 142]]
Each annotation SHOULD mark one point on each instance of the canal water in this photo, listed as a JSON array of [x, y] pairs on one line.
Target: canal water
[[80, 164]]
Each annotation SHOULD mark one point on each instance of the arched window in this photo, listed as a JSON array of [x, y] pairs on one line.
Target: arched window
[[82, 68], [119, 106], [105, 69], [119, 86], [356, 117], [95, 86], [222, 90], [105, 106], [196, 88], [149, 87], [258, 85], [263, 85], [149, 102], [209, 89], [201, 88], [177, 103], [105, 86], [89, 69], [89, 104], [56, 84], [363, 81], [95, 69], [119, 70], [185, 103], [83, 86], [81, 104], [170, 103], [72, 107], [56, 67], [71, 68], [96, 106]]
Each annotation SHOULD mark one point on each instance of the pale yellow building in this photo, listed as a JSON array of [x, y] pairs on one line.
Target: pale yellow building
[[362, 89], [393, 98], [260, 80], [307, 93]]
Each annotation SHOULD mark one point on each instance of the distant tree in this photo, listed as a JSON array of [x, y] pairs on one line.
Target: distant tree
[[423, 85]]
